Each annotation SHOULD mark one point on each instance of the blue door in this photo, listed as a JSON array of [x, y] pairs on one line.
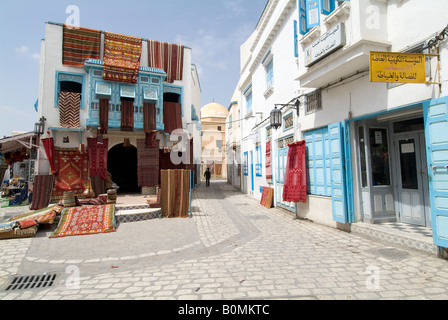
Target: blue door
[[252, 170], [337, 168], [436, 132]]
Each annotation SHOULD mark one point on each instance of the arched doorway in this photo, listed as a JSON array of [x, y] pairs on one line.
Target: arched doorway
[[122, 165]]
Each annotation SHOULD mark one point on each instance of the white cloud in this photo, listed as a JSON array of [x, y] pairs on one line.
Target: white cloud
[[24, 52]]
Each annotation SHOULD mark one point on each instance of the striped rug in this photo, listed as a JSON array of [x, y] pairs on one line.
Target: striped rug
[[166, 56], [121, 57], [79, 45]]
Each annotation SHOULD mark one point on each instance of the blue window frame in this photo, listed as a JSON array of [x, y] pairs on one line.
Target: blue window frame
[[68, 77], [246, 164], [319, 162], [259, 163], [310, 11], [249, 102]]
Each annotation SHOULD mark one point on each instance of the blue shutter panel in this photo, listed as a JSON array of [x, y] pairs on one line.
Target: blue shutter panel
[[436, 133], [338, 197], [327, 6], [302, 17], [312, 13]]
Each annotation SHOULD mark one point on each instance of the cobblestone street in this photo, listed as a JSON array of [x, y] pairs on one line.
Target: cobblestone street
[[232, 248]]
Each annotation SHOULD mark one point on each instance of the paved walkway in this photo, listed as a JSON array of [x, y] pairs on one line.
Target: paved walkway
[[232, 248]]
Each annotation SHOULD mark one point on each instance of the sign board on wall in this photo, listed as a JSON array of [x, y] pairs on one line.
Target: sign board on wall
[[397, 67], [328, 43]]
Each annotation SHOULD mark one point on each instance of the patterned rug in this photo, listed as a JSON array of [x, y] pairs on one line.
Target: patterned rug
[[86, 220], [121, 57], [97, 151], [172, 116], [72, 167], [295, 187], [148, 165], [69, 109], [175, 193], [79, 45]]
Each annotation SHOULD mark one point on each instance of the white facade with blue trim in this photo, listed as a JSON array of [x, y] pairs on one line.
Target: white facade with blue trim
[[376, 152], [151, 86]]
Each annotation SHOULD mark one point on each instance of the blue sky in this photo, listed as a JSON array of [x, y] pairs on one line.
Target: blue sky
[[214, 29]]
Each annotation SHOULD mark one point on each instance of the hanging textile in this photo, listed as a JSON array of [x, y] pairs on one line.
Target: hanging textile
[[166, 56], [172, 116], [69, 109], [121, 57], [104, 115], [295, 183], [127, 115], [98, 157], [149, 123], [42, 189], [79, 45], [49, 150], [268, 161], [175, 193], [147, 165], [73, 172], [98, 185]]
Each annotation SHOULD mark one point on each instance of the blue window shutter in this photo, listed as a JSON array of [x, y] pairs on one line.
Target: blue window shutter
[[296, 51], [327, 6], [302, 17], [338, 197], [436, 134], [312, 13]]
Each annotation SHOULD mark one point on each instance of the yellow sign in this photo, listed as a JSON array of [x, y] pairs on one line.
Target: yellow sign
[[397, 67]]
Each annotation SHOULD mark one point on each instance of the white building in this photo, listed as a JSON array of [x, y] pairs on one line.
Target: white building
[[376, 152], [154, 85]]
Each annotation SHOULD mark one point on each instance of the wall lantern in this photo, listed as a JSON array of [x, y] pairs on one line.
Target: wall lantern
[[276, 114], [39, 127], [276, 118]]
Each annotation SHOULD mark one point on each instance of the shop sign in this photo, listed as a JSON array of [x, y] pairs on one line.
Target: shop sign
[[328, 43], [397, 67]]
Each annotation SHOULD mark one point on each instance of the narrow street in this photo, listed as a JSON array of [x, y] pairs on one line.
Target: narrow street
[[231, 248]]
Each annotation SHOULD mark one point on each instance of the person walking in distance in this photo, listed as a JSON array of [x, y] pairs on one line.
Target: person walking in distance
[[207, 175]]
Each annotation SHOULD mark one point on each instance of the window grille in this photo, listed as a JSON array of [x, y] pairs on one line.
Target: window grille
[[313, 101]]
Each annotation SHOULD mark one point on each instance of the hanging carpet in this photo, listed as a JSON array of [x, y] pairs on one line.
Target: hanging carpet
[[69, 109], [42, 189], [73, 172], [148, 165], [104, 115], [127, 115], [121, 57], [79, 45], [86, 220], [168, 57], [172, 116], [97, 153], [175, 193], [49, 151], [295, 183], [149, 124]]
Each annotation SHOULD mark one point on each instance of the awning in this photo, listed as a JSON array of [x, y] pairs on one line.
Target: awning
[[16, 142]]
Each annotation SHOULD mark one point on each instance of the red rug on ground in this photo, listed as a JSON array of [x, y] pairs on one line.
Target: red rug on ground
[[86, 220]]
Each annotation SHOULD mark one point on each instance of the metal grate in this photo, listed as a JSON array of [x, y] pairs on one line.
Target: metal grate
[[31, 282]]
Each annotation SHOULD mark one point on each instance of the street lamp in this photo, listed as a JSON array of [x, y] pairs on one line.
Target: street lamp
[[39, 127], [276, 114]]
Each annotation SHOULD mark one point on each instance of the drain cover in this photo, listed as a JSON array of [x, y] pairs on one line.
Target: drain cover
[[31, 282]]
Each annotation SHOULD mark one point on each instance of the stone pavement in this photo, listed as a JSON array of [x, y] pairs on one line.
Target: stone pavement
[[232, 248]]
